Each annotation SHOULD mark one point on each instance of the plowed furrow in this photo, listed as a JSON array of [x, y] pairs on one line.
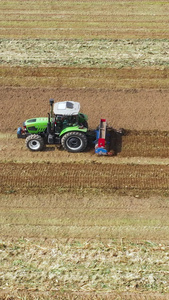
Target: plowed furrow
[[68, 175]]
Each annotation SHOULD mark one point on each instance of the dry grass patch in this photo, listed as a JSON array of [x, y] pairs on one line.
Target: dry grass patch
[[76, 52], [84, 266]]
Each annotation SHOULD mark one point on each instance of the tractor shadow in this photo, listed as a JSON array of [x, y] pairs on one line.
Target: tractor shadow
[[115, 141]]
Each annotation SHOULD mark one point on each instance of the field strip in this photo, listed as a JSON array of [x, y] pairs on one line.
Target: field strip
[[98, 19], [149, 148], [83, 77], [132, 152], [132, 233], [81, 215], [81, 83], [82, 268], [46, 176], [117, 53]]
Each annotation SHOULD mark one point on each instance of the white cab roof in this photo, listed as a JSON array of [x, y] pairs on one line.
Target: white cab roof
[[66, 108]]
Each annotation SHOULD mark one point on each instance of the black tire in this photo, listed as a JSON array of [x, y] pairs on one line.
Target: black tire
[[35, 142], [74, 141]]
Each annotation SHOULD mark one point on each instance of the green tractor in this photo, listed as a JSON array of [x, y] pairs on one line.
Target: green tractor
[[65, 126]]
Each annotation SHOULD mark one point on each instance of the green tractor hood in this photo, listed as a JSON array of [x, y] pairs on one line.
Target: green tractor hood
[[36, 125]]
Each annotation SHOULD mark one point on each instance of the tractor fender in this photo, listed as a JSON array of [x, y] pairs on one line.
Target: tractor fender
[[74, 128]]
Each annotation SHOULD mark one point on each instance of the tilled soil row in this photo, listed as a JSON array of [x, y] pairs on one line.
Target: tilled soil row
[[39, 177], [128, 109]]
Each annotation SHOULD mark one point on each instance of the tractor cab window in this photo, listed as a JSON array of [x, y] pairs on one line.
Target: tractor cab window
[[69, 105]]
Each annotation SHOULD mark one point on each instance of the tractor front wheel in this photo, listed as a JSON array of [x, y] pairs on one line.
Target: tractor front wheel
[[34, 142], [74, 141]]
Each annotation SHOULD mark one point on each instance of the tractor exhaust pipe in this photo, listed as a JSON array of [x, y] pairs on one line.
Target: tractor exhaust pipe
[[51, 101], [48, 125], [50, 116]]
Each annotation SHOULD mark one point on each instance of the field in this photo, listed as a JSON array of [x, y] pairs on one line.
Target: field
[[83, 226], [84, 19]]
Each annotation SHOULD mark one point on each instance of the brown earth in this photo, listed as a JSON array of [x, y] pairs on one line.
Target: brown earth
[[130, 109], [47, 177]]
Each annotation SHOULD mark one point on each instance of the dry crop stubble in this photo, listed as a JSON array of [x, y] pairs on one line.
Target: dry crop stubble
[[82, 77], [83, 215], [69, 19], [92, 267]]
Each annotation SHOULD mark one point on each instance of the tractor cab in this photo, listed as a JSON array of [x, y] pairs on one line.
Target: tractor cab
[[68, 114], [66, 108]]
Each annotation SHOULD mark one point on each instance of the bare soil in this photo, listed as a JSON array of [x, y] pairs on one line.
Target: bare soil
[[129, 109]]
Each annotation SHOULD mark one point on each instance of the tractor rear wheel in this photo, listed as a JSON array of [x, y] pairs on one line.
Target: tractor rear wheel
[[74, 141], [35, 142]]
